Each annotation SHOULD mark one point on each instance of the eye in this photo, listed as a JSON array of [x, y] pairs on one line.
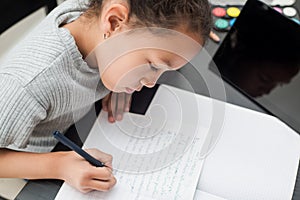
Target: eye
[[152, 67]]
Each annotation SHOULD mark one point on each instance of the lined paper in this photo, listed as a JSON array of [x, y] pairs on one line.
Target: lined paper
[[154, 158]]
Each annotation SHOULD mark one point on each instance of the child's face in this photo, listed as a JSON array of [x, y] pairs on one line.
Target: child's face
[[139, 68], [129, 61]]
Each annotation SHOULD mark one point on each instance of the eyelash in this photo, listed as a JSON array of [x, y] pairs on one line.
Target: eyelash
[[152, 67]]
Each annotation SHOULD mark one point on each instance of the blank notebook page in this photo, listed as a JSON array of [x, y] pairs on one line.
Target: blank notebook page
[[256, 158]]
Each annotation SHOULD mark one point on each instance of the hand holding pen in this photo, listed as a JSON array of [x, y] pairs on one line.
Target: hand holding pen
[[85, 173], [64, 140]]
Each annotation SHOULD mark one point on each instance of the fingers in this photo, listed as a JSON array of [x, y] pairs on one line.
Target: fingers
[[83, 176], [105, 101], [100, 185], [123, 105], [100, 178], [96, 178], [101, 174], [127, 102], [116, 104], [99, 155], [111, 107], [120, 106]]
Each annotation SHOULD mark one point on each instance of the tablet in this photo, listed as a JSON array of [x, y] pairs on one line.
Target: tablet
[[242, 2], [260, 57]]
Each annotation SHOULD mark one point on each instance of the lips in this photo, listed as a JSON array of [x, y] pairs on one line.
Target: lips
[[129, 90]]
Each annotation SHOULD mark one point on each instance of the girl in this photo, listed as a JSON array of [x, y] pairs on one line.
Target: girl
[[52, 78]]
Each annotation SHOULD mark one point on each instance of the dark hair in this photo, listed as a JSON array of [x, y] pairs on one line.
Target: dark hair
[[195, 14]]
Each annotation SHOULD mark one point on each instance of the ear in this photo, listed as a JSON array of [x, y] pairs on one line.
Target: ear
[[115, 18]]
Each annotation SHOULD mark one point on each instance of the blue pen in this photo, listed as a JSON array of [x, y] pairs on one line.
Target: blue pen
[[63, 139]]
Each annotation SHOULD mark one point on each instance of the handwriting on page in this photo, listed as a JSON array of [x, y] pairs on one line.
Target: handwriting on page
[[175, 181], [155, 156]]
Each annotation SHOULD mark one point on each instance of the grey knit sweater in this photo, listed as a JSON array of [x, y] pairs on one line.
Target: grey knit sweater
[[45, 85]]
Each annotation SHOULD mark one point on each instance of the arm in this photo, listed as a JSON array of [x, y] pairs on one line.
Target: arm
[[67, 166], [20, 114]]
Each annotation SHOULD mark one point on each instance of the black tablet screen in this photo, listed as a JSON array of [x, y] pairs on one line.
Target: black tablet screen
[[260, 56]]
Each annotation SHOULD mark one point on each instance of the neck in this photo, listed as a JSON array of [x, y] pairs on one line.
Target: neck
[[86, 33]]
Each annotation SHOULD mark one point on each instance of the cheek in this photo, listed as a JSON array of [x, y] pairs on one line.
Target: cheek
[[112, 76], [108, 80], [179, 62], [131, 78], [118, 76]]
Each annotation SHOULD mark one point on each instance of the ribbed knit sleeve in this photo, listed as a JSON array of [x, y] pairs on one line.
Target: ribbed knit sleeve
[[45, 84], [20, 113]]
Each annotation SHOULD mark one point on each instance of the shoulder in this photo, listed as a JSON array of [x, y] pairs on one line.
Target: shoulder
[[47, 45], [32, 57]]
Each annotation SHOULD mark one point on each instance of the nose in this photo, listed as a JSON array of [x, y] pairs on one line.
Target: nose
[[149, 84], [151, 79]]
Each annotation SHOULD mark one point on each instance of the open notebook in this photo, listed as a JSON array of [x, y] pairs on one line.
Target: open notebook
[[248, 155], [158, 155]]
